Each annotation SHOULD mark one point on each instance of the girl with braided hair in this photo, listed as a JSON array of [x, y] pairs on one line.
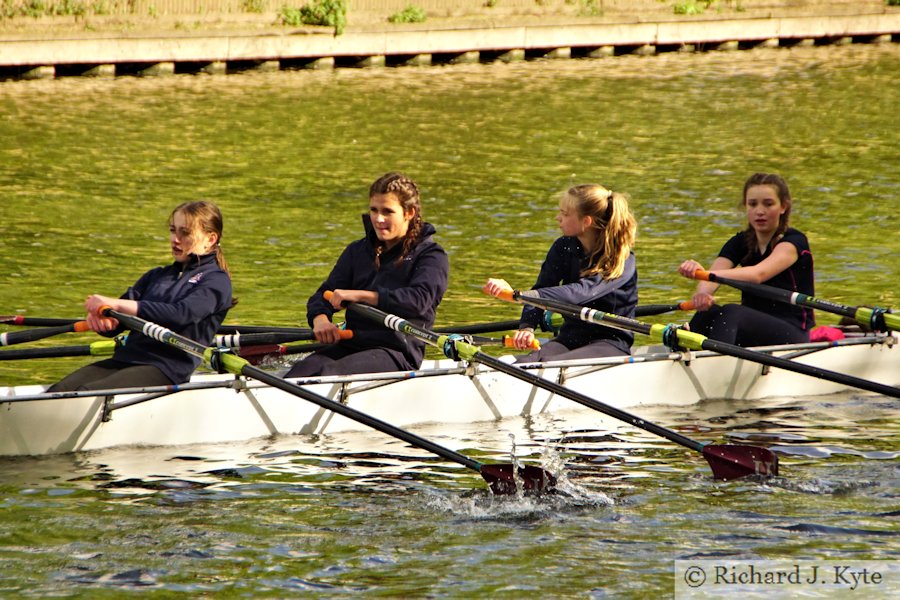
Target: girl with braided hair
[[398, 268], [592, 264], [768, 251]]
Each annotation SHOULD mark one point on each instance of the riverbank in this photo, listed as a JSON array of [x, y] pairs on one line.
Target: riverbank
[[217, 43]]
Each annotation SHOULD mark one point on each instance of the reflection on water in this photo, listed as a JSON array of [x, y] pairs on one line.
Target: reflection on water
[[88, 182], [361, 511]]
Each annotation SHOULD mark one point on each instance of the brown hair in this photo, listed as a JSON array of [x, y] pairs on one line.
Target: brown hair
[[206, 217], [616, 227], [784, 196], [407, 193]]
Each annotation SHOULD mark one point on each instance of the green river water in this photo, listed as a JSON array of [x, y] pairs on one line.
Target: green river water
[[89, 170]]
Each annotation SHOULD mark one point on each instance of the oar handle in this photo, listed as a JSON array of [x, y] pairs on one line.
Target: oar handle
[[510, 342]]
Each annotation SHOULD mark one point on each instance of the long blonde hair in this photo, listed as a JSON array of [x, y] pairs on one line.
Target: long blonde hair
[[614, 223]]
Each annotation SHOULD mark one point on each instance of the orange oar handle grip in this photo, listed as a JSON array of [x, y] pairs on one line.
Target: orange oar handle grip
[[701, 275], [344, 334], [506, 295], [686, 305], [80, 326], [508, 342], [102, 310]]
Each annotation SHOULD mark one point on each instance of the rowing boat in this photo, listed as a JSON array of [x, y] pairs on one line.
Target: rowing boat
[[223, 407]]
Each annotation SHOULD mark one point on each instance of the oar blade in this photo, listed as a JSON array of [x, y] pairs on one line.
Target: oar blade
[[502, 478], [733, 461]]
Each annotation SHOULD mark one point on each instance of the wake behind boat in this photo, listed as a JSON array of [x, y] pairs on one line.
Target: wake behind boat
[[222, 408]]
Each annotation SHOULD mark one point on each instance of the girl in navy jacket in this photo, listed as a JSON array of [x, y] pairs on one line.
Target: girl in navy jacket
[[767, 252], [191, 297], [398, 268], [593, 265]]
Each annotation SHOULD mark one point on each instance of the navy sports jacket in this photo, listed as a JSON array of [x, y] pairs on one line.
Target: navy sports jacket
[[411, 290]]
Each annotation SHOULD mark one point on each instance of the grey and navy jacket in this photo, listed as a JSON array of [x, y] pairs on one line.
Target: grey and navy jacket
[[411, 290], [560, 279], [189, 298]]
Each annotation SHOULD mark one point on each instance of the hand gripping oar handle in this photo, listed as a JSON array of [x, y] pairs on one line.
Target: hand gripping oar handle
[[676, 336], [20, 337], [726, 461], [499, 477], [878, 319]]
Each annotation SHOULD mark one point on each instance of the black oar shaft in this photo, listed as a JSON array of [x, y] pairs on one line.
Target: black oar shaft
[[238, 365], [874, 318], [404, 326], [696, 341], [647, 310]]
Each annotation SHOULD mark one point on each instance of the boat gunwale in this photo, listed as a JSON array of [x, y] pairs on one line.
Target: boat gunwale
[[369, 381]]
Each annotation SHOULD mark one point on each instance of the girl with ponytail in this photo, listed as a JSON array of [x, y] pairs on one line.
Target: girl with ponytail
[[191, 297], [768, 251], [593, 265], [398, 268]]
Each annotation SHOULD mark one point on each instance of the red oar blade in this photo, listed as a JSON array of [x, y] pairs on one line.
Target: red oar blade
[[733, 461], [502, 478]]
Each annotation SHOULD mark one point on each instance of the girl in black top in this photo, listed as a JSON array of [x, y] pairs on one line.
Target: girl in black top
[[593, 265], [191, 297], [767, 252]]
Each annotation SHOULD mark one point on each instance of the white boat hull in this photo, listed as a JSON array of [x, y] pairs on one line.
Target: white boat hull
[[219, 414]]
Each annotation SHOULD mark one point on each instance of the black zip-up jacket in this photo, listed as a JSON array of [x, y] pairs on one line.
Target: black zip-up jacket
[[560, 279], [411, 290], [191, 299]]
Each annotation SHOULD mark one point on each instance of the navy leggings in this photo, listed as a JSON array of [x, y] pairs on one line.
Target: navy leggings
[[745, 326], [554, 350], [342, 362], [111, 374]]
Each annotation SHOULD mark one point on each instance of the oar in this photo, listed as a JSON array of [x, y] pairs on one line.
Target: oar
[[35, 321], [30, 335], [647, 310], [500, 477], [255, 354], [239, 340], [878, 319], [727, 461], [667, 334], [475, 328], [101, 348]]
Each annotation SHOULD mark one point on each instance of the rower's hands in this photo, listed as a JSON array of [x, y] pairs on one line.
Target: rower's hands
[[701, 300], [689, 267], [498, 288], [523, 339], [95, 321], [340, 298], [325, 331]]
